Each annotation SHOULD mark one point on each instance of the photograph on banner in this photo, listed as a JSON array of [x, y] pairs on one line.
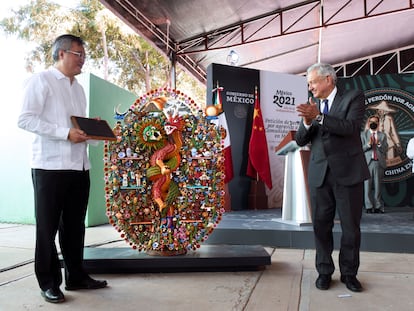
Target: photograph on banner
[[391, 98], [280, 93]]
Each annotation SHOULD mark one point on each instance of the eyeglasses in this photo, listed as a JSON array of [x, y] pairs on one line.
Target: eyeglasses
[[79, 54]]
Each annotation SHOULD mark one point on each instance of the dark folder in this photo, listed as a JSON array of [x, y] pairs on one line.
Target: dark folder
[[94, 128]]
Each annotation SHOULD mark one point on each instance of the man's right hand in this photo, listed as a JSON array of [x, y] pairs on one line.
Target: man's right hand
[[308, 111], [77, 136]]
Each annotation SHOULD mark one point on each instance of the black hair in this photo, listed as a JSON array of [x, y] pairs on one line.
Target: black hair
[[64, 42]]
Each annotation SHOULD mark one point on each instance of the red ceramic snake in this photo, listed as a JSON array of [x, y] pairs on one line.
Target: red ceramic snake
[[166, 160]]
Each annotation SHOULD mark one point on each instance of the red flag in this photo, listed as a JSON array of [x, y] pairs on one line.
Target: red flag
[[228, 161], [258, 165]]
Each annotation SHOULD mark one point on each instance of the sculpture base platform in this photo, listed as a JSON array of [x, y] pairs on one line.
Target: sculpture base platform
[[207, 258]]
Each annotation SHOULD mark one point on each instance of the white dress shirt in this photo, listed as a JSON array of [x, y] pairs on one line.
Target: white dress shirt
[[410, 152], [331, 98], [375, 133], [49, 100]]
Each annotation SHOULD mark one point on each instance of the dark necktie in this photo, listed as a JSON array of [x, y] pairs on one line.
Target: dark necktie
[[325, 107], [374, 147]]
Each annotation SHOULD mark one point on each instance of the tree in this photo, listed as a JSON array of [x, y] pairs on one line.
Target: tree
[[115, 52]]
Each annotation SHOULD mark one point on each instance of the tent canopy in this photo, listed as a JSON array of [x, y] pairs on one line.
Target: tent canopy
[[275, 35]]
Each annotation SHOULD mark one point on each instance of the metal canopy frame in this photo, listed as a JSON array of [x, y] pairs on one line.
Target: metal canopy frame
[[310, 6], [396, 61], [194, 50]]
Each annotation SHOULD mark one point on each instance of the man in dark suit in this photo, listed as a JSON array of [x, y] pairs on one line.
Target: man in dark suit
[[337, 170], [375, 146]]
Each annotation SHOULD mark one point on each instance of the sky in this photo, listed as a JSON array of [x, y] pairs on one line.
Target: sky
[[12, 55], [15, 142], [12, 52], [11, 59]]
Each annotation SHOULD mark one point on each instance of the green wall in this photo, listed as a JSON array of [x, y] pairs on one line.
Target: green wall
[[103, 98], [16, 191]]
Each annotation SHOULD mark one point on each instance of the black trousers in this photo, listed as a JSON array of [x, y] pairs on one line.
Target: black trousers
[[347, 201], [61, 199]]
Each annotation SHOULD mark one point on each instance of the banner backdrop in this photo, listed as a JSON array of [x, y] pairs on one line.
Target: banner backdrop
[[238, 101], [391, 96], [278, 95]]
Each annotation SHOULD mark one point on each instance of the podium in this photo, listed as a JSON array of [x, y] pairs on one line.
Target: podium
[[296, 208]]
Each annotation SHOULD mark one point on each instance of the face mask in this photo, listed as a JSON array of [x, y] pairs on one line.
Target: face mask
[[373, 125]]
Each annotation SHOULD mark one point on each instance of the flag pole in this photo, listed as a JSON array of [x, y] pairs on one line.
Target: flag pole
[[255, 97]]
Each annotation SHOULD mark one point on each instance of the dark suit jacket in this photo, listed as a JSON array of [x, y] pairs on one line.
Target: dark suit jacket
[[337, 143]]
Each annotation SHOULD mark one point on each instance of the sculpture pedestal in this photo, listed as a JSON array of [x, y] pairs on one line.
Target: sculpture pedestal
[[207, 258]]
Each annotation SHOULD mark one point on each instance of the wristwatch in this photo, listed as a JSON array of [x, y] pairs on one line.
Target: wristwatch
[[319, 117]]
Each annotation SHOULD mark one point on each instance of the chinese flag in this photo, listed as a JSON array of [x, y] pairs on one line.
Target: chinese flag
[[258, 165]]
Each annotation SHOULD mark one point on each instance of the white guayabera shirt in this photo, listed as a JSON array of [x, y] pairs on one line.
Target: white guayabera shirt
[[49, 101]]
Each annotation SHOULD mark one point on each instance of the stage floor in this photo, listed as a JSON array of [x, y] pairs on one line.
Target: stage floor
[[389, 232], [246, 232]]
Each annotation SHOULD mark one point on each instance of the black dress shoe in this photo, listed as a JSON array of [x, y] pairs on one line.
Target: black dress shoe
[[87, 283], [53, 295], [323, 281], [351, 283], [378, 211], [369, 211]]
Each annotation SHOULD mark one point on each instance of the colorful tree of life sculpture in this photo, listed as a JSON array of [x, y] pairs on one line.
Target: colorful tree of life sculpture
[[164, 175]]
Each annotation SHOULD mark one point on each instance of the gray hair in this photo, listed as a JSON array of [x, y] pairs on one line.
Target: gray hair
[[323, 70], [64, 42]]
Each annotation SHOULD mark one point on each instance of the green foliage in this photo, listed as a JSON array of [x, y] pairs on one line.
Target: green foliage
[[115, 53]]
